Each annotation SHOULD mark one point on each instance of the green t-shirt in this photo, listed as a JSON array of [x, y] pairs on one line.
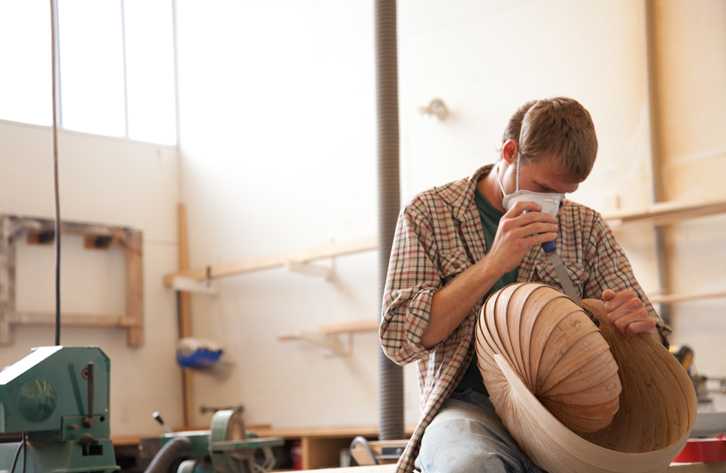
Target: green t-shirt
[[490, 217]]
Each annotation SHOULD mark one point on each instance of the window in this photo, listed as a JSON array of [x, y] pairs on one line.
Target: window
[[116, 66], [25, 61]]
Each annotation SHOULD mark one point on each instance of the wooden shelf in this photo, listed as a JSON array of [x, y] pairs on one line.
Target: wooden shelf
[[370, 325], [672, 298], [664, 213], [327, 335], [273, 261]]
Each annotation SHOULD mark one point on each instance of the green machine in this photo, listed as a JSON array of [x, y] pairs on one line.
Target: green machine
[[57, 398], [225, 448]]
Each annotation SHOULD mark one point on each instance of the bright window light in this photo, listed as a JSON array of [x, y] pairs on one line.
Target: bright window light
[[150, 71], [92, 66], [116, 66], [25, 61]]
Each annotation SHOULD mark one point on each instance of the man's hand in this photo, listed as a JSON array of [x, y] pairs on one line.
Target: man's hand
[[627, 314], [518, 232]]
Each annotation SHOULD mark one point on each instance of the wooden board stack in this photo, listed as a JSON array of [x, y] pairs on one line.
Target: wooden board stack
[[578, 398]]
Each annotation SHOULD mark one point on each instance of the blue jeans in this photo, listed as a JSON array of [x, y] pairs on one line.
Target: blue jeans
[[467, 436]]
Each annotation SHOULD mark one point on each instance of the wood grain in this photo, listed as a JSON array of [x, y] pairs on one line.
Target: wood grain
[[578, 398]]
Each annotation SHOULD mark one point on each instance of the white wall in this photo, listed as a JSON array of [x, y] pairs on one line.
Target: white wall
[[692, 74], [278, 153], [108, 181]]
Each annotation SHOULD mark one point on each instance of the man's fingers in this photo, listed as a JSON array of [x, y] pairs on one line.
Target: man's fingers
[[627, 314], [533, 229], [522, 206], [608, 294], [541, 238], [628, 307], [622, 323], [643, 326], [620, 299]]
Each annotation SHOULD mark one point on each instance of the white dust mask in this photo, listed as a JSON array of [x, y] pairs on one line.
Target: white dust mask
[[550, 202]]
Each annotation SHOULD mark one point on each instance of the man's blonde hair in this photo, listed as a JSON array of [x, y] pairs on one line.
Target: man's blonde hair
[[558, 127]]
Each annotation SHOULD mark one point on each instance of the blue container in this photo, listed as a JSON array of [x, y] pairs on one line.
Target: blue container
[[199, 359]]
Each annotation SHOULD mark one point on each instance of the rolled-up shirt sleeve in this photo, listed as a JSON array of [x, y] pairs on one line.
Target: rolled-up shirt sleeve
[[412, 280]]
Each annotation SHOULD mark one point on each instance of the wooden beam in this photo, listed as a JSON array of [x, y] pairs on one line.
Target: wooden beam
[[350, 327], [671, 298], [135, 288], [72, 320], [665, 213], [279, 260], [185, 317], [325, 334], [327, 432]]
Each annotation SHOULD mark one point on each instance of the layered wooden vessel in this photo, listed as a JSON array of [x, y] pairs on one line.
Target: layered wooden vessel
[[578, 398]]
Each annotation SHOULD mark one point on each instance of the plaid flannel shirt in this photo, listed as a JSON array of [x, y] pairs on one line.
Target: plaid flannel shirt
[[439, 234]]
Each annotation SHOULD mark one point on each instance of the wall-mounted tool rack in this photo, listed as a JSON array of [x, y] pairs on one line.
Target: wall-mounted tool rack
[[41, 231]]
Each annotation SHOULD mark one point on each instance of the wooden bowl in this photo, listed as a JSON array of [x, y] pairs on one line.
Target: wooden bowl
[[578, 398]]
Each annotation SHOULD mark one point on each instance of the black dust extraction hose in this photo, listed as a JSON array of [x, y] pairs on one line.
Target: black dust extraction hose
[[389, 198], [163, 460]]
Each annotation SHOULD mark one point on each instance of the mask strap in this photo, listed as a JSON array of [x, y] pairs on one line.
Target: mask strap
[[499, 176], [517, 170], [499, 180]]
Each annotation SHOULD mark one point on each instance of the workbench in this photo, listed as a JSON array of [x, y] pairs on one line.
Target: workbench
[[679, 468], [320, 446], [696, 468], [363, 469]]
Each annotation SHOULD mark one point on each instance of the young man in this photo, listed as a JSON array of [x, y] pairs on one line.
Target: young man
[[458, 243]]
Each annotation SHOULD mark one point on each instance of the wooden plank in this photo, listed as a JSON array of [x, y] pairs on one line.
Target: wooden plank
[[41, 225], [327, 432], [365, 469], [135, 439], [185, 317], [135, 288], [279, 260], [320, 432], [664, 213], [671, 298], [288, 337], [71, 320], [350, 327]]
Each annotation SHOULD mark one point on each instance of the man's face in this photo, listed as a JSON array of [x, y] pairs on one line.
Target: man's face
[[541, 176]]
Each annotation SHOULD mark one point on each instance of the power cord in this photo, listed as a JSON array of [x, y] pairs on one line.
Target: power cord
[[21, 445]]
